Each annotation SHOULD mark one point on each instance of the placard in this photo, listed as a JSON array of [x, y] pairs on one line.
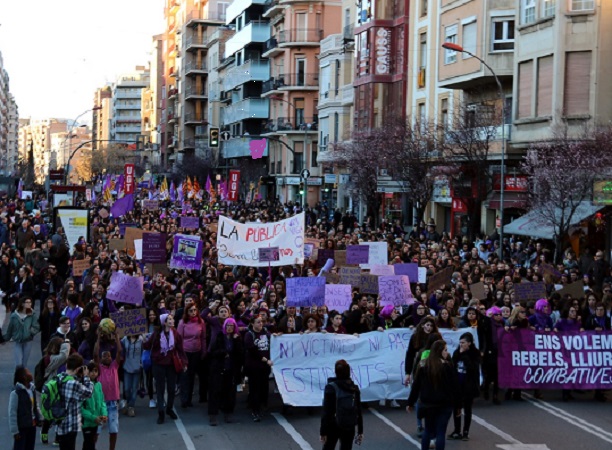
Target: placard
[[123, 226], [116, 244], [478, 291], [126, 289], [339, 258], [150, 205], [394, 290], [192, 223], [525, 291], [79, 266], [439, 279], [551, 270], [186, 253], [103, 213], [161, 268], [305, 291], [379, 269], [377, 254], [368, 283], [308, 250], [238, 243], [154, 248], [130, 321], [575, 290], [411, 270], [338, 297], [323, 255], [351, 276], [331, 278], [357, 254], [268, 254], [130, 235], [138, 249], [422, 275]]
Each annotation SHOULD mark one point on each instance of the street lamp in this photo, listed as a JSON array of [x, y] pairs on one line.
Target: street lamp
[[306, 128], [457, 48], [83, 144]]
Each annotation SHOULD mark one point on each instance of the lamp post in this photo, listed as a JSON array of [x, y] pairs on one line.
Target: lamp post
[[306, 128], [83, 144], [457, 48]]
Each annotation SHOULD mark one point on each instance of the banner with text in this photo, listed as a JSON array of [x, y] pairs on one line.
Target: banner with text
[[303, 363], [239, 243], [544, 360]]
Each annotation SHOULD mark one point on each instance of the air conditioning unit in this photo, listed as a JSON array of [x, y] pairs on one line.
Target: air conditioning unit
[[383, 172]]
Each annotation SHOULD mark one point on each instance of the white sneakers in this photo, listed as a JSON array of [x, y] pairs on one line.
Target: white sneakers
[[152, 404]]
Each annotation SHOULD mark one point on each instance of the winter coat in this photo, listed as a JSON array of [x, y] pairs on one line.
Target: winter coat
[[443, 395], [22, 330], [23, 408], [328, 418], [467, 366], [94, 407]]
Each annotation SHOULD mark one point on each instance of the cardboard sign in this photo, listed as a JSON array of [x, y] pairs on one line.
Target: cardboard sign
[[130, 321], [357, 254], [116, 244], [79, 266], [351, 276], [161, 268], [269, 254], [338, 297], [575, 290], [306, 291], [478, 291], [368, 283], [130, 235], [331, 278], [379, 269], [103, 213], [439, 279], [395, 290], [551, 270], [124, 226], [340, 258], [525, 291], [213, 227]]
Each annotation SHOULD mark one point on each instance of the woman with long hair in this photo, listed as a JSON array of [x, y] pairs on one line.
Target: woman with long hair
[[435, 387], [86, 338], [23, 326], [192, 330], [257, 365], [48, 321]]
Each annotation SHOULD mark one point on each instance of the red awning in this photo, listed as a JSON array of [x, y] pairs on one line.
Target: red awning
[[516, 200]]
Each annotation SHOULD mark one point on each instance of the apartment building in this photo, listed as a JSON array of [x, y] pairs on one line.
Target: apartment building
[[126, 120], [75, 142], [8, 124], [562, 67], [151, 110], [35, 140], [11, 158], [101, 121], [297, 30]]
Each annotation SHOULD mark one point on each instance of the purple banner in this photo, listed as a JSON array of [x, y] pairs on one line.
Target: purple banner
[[186, 253], [154, 248], [357, 254], [306, 291], [409, 269], [190, 222], [545, 360]]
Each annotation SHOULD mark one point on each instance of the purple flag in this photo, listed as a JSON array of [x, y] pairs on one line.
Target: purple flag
[[179, 191], [208, 184], [119, 185], [172, 192], [123, 205], [20, 188]]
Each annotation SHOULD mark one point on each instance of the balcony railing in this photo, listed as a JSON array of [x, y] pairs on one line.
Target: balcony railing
[[202, 16], [348, 32], [301, 35], [283, 124], [193, 91], [194, 66], [273, 84], [250, 108], [195, 119], [300, 79], [195, 41], [249, 71], [254, 31], [270, 44]]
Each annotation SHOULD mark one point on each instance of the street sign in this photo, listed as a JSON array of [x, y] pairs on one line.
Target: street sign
[[305, 174], [391, 186], [225, 135]]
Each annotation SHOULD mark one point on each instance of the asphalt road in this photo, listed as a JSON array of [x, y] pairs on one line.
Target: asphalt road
[[529, 424]]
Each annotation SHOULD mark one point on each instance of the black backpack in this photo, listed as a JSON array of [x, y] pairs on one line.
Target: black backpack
[[346, 408]]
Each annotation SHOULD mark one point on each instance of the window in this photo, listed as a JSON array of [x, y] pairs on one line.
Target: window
[[424, 6], [336, 126], [503, 35], [544, 96], [337, 77], [548, 8], [421, 117], [525, 89], [450, 56], [444, 113], [469, 39], [313, 157], [582, 5], [422, 79], [577, 83], [528, 11]]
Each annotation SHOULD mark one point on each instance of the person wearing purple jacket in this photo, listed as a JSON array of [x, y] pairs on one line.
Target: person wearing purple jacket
[[193, 331], [569, 321]]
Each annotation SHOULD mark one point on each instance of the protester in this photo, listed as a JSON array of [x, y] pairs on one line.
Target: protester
[[24, 414], [93, 410], [257, 365], [466, 361], [23, 325]]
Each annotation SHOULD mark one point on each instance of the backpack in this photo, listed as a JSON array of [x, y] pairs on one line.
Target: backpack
[[39, 374], [52, 404], [346, 408]]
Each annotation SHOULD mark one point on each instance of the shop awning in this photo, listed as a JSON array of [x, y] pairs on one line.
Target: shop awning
[[534, 225], [511, 200]]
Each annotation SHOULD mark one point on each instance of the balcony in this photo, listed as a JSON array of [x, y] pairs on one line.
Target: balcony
[[194, 93], [195, 119], [348, 95], [251, 108], [171, 117], [285, 125], [237, 7], [301, 37], [271, 48], [249, 71], [271, 86], [172, 93], [205, 17], [298, 81], [195, 68], [470, 73], [348, 33], [254, 31], [272, 8], [239, 148], [195, 42]]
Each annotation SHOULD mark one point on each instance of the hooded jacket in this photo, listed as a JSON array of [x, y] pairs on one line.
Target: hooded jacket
[[23, 408], [22, 329], [328, 419]]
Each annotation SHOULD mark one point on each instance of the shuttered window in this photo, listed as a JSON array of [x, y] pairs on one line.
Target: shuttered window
[[545, 77], [525, 89], [577, 83], [469, 38]]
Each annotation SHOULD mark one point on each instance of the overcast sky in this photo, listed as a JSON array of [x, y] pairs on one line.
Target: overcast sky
[[57, 52]]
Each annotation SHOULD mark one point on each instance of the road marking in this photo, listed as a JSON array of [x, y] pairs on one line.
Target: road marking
[[401, 432], [523, 446], [291, 431], [570, 418], [493, 429], [183, 432]]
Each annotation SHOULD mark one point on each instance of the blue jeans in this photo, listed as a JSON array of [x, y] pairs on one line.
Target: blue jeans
[[21, 351], [131, 382], [435, 427]]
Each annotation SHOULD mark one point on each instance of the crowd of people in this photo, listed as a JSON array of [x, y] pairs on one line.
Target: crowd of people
[[215, 324]]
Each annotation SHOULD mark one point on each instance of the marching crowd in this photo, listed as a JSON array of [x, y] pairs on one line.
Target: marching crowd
[[214, 325]]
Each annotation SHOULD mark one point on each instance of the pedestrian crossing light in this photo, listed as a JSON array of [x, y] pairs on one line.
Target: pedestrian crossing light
[[213, 137]]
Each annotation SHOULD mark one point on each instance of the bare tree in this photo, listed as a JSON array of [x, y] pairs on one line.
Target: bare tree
[[113, 158], [562, 172], [192, 166]]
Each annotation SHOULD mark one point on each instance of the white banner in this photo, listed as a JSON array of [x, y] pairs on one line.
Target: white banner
[[303, 363], [239, 243]]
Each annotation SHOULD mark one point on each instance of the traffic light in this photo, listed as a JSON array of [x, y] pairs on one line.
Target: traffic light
[[213, 137]]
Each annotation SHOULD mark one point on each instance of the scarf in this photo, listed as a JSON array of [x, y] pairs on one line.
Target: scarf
[[166, 343]]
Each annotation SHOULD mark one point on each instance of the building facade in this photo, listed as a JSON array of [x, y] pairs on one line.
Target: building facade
[[126, 120], [101, 120], [9, 117]]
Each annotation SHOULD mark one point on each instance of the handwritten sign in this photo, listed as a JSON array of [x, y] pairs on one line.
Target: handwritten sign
[[339, 258], [150, 205], [350, 275], [379, 269], [525, 291], [79, 266], [357, 254], [190, 222], [306, 291], [154, 248], [125, 289], [395, 290], [331, 278], [130, 321], [368, 283], [268, 254], [338, 297]]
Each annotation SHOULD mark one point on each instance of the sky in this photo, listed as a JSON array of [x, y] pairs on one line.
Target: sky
[[58, 52]]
